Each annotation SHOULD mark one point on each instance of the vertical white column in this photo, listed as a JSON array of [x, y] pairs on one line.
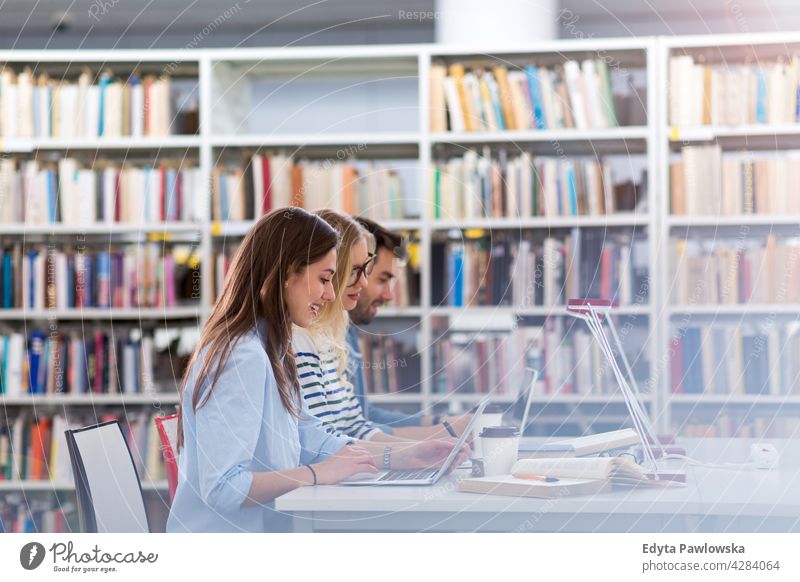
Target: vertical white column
[[495, 22], [206, 163], [425, 345]]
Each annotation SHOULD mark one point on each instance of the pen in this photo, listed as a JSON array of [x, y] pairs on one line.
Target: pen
[[449, 429], [535, 477]]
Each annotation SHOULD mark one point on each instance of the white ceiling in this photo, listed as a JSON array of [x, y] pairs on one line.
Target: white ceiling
[[171, 22]]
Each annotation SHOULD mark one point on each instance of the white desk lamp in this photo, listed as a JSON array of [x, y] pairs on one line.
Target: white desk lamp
[[594, 312]]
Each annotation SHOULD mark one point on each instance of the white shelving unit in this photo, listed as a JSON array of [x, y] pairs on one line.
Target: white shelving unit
[[404, 132], [731, 49], [633, 140], [405, 64]]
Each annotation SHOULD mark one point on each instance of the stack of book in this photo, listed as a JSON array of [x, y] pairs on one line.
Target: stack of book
[[573, 95], [99, 362], [731, 272], [39, 193], [503, 269], [704, 181], [503, 186], [733, 94], [264, 182], [35, 447], [736, 359], [390, 366], [144, 275], [104, 105]]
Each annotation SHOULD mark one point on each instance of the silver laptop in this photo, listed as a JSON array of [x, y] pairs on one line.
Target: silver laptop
[[420, 476], [524, 399]]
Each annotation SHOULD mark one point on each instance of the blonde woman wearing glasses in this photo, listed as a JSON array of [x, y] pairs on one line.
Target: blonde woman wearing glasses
[[321, 355]]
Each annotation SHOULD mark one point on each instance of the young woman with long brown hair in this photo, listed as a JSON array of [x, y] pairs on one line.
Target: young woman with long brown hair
[[243, 437]]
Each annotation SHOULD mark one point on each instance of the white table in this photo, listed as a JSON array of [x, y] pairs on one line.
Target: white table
[[713, 500]]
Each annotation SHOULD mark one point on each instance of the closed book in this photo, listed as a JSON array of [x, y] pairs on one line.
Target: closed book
[[510, 486]]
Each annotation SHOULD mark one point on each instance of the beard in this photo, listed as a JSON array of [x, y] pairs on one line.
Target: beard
[[363, 314]]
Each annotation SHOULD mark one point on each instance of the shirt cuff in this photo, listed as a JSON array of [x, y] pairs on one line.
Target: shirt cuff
[[230, 491]]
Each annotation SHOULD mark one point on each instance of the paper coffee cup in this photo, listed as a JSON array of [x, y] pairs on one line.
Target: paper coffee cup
[[500, 445], [492, 416]]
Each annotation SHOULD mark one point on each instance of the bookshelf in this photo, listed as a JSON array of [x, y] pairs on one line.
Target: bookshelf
[[260, 101], [378, 103], [554, 411], [755, 146]]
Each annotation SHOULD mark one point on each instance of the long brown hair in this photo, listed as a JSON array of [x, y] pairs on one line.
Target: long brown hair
[[283, 242]]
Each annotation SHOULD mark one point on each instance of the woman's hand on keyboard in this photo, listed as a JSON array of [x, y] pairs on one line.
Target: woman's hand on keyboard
[[345, 462], [425, 454]]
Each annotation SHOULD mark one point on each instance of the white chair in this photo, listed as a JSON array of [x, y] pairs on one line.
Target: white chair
[[109, 492]]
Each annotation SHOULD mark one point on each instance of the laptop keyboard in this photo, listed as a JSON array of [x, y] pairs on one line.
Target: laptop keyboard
[[408, 475]]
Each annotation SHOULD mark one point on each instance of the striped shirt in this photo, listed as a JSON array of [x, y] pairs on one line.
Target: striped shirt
[[325, 394]]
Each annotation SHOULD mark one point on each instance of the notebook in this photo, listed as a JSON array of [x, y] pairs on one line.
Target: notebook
[[581, 446]]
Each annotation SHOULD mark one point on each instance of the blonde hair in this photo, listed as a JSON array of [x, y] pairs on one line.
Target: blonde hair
[[329, 328]]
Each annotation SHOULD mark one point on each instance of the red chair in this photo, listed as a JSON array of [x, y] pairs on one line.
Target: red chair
[[168, 431]]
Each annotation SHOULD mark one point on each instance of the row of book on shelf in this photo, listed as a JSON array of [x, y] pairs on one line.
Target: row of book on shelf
[[138, 275], [736, 359], [505, 269], [726, 94], [508, 186], [567, 357], [23, 514], [70, 193], [405, 290], [103, 361], [94, 105], [736, 271], [574, 94], [34, 447], [264, 182], [735, 425], [704, 181]]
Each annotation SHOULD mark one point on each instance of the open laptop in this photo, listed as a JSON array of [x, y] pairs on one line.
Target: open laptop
[[522, 406], [419, 476]]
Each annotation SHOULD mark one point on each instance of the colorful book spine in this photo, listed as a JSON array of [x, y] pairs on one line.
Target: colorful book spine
[[145, 275], [371, 189]]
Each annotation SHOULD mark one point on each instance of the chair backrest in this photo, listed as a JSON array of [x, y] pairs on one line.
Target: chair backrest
[[109, 492], [168, 432]]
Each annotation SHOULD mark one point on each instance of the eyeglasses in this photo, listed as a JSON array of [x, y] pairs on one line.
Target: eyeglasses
[[364, 269]]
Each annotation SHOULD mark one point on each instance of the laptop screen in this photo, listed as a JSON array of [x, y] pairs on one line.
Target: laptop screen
[[464, 435]]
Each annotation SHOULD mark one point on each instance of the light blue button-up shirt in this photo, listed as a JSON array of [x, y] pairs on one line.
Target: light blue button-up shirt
[[242, 429]]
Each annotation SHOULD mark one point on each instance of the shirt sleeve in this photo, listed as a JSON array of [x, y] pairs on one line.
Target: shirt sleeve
[[319, 381], [228, 426], [316, 443]]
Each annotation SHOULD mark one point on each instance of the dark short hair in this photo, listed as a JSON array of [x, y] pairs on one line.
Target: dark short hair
[[385, 239]]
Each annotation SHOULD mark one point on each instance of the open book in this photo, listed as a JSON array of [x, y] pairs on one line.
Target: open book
[[617, 470], [575, 477], [581, 446]]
